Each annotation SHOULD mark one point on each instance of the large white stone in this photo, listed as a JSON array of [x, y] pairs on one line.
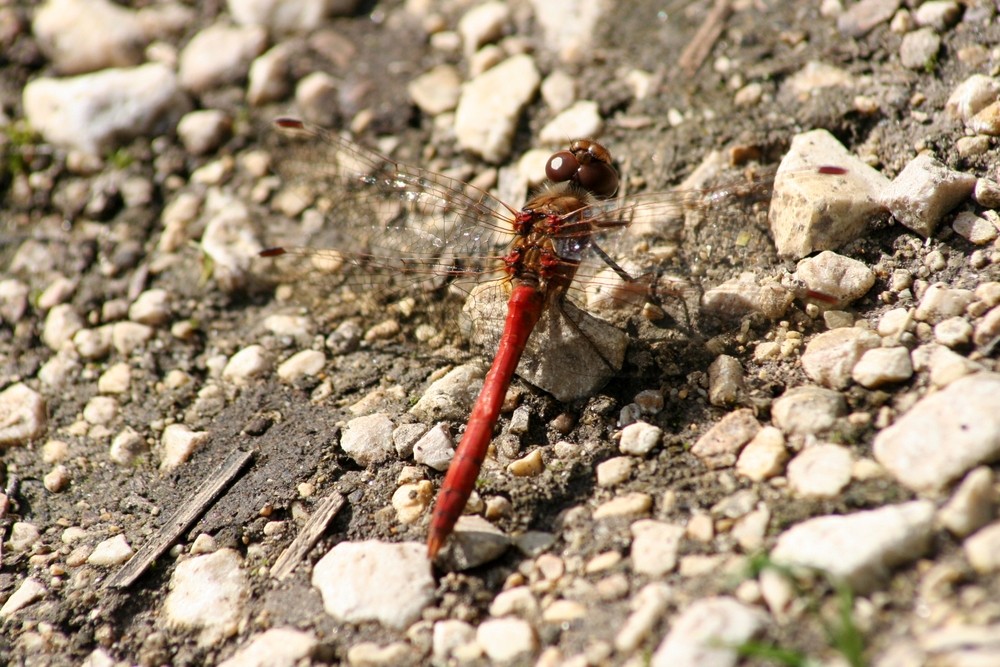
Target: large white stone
[[859, 548], [375, 581], [95, 113], [944, 434], [490, 105], [817, 211]]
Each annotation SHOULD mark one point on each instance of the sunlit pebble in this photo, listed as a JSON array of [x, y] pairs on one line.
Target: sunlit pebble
[[564, 611], [411, 500], [882, 365], [382, 331], [614, 471], [602, 562], [61, 324], [953, 332], [527, 466], [764, 456], [100, 410], [988, 328], [972, 505], [498, 507], [982, 549], [56, 479], [633, 504], [179, 442], [246, 365], [58, 291], [126, 446], [71, 534], [700, 528], [54, 451], [127, 337], [213, 173], [475, 504], [112, 551], [115, 380], [203, 544]]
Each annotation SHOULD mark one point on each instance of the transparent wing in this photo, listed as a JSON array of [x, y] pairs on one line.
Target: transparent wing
[[390, 216]]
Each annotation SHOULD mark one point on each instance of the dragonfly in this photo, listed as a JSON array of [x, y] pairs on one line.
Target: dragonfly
[[522, 265]]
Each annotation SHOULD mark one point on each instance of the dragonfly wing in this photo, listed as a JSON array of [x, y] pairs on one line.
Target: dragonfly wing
[[390, 216]]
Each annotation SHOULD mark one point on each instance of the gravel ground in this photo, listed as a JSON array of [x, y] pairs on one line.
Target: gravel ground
[[810, 484]]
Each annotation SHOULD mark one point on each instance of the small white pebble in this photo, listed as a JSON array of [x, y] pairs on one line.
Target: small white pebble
[[614, 471], [56, 479]]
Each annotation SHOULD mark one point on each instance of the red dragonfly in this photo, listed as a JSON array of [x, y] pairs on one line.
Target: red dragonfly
[[417, 222]]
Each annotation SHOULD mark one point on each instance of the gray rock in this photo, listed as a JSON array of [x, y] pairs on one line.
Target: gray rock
[[830, 356], [434, 449], [725, 380], [720, 445], [883, 365], [919, 49], [436, 90], [203, 131], [230, 240], [570, 26], [482, 24], [450, 397], [972, 505], [247, 365], [654, 547], [820, 471], [269, 78], [862, 16], [474, 542]]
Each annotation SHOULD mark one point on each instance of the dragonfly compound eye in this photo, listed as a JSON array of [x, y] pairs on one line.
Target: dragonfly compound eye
[[598, 178], [561, 167]]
